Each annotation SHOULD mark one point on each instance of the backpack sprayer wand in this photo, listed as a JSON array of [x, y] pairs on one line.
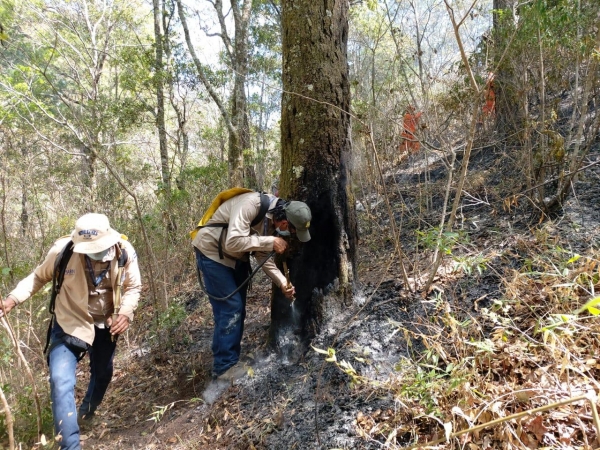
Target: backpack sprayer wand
[[287, 277]]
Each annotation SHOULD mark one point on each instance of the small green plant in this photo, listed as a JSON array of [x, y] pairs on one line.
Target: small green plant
[[173, 316], [159, 412], [445, 242], [344, 366], [422, 384], [467, 264]]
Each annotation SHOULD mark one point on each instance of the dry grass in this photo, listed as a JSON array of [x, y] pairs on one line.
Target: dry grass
[[533, 345]]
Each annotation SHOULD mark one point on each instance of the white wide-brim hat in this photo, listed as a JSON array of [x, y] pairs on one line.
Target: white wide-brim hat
[[93, 234]]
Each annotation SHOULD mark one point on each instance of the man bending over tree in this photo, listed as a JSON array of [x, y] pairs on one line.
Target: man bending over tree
[[223, 245]]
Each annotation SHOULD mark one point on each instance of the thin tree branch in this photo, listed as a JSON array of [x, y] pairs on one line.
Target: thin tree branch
[[9, 420], [200, 69]]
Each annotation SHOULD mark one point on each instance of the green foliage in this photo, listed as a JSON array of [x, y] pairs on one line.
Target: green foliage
[[172, 317], [23, 409], [160, 411], [444, 242], [469, 263], [423, 385], [553, 42], [591, 306]]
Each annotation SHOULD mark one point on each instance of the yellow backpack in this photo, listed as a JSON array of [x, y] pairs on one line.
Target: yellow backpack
[[222, 198]]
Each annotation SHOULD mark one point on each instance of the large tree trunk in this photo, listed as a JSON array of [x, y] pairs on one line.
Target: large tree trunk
[[316, 151]]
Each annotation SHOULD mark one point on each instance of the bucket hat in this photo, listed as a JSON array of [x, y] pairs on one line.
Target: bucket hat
[[93, 234]]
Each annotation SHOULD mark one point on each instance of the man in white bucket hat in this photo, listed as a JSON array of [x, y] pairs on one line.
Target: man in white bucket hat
[[93, 301]]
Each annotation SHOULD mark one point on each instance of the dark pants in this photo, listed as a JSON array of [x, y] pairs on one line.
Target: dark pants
[[62, 363], [220, 281]]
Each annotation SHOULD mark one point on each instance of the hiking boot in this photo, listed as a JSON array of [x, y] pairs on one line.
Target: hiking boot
[[86, 421], [234, 373]]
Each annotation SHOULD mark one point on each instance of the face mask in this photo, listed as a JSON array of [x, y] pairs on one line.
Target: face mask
[[283, 233], [98, 256]]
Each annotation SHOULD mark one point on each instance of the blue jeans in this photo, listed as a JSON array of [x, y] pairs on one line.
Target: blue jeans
[[220, 281], [62, 363]]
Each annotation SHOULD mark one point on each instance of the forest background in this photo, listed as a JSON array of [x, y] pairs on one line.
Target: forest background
[[146, 111]]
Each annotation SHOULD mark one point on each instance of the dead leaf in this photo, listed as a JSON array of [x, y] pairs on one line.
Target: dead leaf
[[536, 426]]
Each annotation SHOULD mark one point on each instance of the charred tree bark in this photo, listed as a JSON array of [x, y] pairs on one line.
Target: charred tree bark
[[316, 151]]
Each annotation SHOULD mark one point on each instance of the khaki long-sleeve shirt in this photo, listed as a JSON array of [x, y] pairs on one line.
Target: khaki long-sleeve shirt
[[239, 238], [72, 303]]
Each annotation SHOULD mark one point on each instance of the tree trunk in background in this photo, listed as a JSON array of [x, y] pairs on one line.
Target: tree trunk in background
[[316, 152], [240, 173], [160, 101], [24, 199], [236, 113], [182, 140], [506, 104], [239, 107], [88, 168]]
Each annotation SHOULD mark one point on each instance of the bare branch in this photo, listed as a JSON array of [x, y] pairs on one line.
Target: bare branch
[[200, 68]]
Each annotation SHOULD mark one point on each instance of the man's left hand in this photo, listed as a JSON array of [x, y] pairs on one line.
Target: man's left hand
[[119, 325]]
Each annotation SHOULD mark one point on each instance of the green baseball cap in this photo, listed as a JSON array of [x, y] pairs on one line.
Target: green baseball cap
[[298, 214]]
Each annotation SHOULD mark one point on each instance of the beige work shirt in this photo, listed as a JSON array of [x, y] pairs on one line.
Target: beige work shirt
[[239, 238], [73, 301]]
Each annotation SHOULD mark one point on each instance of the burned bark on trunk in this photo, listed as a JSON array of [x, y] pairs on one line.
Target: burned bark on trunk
[[316, 152]]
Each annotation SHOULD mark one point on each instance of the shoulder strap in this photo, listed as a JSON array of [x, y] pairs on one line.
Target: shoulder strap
[[123, 256], [265, 202], [58, 275], [60, 265]]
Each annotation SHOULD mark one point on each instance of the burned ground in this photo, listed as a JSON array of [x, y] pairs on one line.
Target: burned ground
[[357, 386]]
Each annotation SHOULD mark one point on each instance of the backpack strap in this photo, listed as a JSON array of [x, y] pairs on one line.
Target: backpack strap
[[58, 275], [122, 257], [265, 202], [119, 285]]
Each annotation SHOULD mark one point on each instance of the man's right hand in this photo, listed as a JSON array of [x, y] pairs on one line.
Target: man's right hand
[[7, 304], [279, 245]]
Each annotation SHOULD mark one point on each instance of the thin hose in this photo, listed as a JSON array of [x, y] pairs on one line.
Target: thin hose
[[246, 281]]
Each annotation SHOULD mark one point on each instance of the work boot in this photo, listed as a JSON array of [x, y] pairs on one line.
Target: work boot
[[234, 373], [86, 421]]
